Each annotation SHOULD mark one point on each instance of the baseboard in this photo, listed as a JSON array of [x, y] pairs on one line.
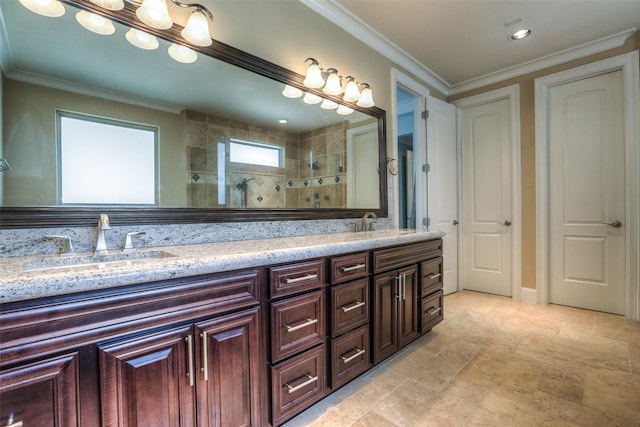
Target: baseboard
[[528, 295]]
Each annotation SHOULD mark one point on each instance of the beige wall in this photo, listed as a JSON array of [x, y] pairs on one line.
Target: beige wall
[[29, 124], [527, 139]]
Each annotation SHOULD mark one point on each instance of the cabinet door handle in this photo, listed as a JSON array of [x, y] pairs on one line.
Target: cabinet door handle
[[404, 287], [309, 322], [433, 276], [301, 279], [359, 352], [205, 358], [189, 340], [293, 389], [353, 306], [399, 283], [433, 311], [353, 267], [11, 423]]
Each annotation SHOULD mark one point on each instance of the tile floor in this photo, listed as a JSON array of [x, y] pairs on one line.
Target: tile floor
[[496, 362]]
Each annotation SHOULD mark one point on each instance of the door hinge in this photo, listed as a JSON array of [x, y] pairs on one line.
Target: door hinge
[[426, 221], [425, 114], [426, 168]]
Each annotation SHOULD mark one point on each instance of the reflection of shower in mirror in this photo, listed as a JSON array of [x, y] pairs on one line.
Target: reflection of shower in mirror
[[4, 165], [242, 186]]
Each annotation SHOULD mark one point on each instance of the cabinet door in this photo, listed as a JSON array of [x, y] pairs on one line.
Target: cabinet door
[[408, 329], [228, 362], [385, 327], [148, 381], [43, 393]]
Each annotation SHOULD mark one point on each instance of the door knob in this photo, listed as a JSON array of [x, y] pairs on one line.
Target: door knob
[[614, 224], [507, 223], [455, 222]]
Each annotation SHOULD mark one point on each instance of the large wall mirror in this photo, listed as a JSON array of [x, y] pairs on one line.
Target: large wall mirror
[[208, 138]]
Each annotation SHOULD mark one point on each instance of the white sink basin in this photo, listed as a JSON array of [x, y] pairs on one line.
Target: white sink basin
[[93, 261]]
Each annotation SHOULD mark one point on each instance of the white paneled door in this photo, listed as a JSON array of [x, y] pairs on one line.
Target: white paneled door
[[443, 184], [485, 135], [586, 194]]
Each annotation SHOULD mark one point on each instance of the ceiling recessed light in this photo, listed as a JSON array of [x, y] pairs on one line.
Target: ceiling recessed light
[[520, 34], [283, 121]]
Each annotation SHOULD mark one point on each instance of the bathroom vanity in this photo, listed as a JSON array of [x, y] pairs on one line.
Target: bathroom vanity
[[240, 333]]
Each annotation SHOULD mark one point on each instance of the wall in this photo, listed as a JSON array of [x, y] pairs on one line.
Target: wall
[[527, 139], [30, 138]]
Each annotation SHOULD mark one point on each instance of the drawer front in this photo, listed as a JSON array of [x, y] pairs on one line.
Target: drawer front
[[297, 383], [289, 279], [349, 306], [350, 356], [349, 267], [386, 259], [432, 311], [296, 323], [431, 276]]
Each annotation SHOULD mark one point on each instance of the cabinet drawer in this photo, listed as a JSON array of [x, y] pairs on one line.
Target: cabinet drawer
[[289, 279], [386, 259], [349, 356], [431, 276], [349, 306], [297, 383], [432, 312], [296, 323], [349, 267]]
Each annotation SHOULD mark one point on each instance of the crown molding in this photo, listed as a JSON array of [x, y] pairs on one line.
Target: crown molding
[[343, 18], [590, 48]]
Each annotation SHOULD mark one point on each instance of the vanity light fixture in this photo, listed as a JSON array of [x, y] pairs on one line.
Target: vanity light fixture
[[343, 110], [155, 14], [311, 98], [95, 23], [197, 29], [327, 104], [50, 8], [366, 97], [141, 39], [291, 92], [110, 4], [315, 79], [182, 53], [351, 90], [333, 86]]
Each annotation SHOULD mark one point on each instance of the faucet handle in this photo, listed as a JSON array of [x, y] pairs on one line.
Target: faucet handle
[[67, 247], [370, 228], [128, 243]]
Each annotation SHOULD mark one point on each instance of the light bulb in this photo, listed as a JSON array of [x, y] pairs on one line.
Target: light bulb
[[520, 34], [182, 53], [366, 98], [95, 23], [155, 14], [329, 105], [110, 4], [310, 98], [197, 29], [291, 92], [50, 8], [334, 84], [343, 110], [141, 39], [351, 91], [314, 78]]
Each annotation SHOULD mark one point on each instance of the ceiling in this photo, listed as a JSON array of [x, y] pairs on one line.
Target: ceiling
[[461, 40]]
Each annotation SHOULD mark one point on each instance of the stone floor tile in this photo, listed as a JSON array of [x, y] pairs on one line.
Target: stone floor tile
[[613, 392], [371, 419], [573, 412], [407, 405]]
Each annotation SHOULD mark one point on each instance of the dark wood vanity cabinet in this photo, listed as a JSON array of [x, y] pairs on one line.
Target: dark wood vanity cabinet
[[181, 352]]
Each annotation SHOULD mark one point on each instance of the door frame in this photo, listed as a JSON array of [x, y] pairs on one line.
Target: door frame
[[351, 135], [420, 150], [628, 64], [512, 93]]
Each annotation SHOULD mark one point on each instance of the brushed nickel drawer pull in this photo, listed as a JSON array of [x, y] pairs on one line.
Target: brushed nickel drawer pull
[[353, 267], [311, 380], [309, 322], [189, 340], [301, 279], [359, 352], [355, 305], [433, 276], [433, 311], [11, 423], [205, 368]]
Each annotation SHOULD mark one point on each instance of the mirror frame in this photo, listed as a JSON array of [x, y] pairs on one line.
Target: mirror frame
[[50, 216]]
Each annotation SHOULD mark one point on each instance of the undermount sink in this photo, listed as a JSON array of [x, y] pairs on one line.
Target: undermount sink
[[93, 261]]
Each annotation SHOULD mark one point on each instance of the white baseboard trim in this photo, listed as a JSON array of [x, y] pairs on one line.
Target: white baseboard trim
[[528, 295]]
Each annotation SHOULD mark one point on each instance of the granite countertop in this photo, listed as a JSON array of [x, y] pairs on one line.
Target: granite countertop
[[186, 260]]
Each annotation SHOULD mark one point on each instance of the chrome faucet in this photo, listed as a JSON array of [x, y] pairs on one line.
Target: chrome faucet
[[67, 248], [103, 224], [366, 216], [128, 242]]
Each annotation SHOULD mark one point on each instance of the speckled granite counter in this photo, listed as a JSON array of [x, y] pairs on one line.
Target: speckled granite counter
[[190, 260]]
